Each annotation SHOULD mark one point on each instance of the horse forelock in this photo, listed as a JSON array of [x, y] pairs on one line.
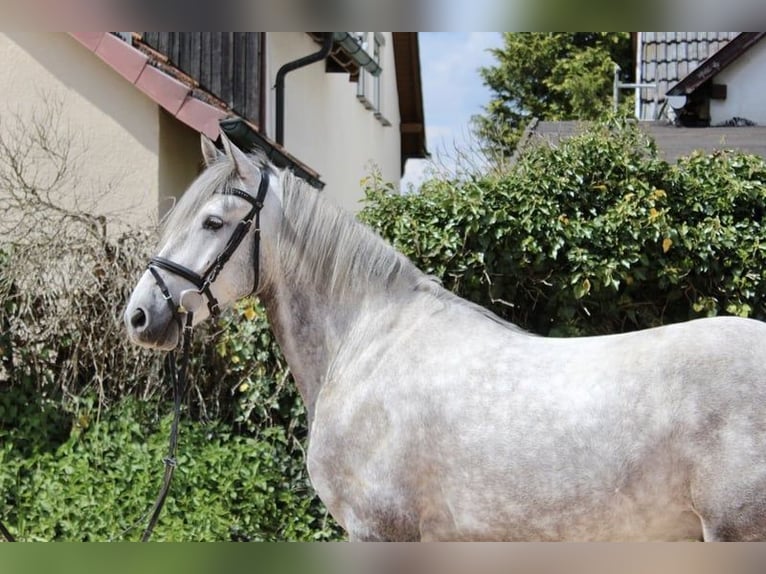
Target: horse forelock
[[215, 177]]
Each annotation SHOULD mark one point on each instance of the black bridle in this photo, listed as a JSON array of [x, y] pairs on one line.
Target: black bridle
[[205, 280], [203, 283]]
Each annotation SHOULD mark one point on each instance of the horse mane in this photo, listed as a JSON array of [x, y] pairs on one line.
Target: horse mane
[[347, 256]]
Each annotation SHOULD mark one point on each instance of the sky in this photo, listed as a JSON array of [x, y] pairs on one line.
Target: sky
[[452, 92]]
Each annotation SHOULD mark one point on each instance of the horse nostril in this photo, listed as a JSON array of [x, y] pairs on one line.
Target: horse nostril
[[138, 319]]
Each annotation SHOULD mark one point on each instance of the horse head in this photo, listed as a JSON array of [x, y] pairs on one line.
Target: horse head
[[210, 252]]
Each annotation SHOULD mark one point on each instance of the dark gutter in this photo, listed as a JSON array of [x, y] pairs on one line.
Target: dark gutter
[[357, 53], [716, 63], [262, 90], [247, 138], [324, 51]]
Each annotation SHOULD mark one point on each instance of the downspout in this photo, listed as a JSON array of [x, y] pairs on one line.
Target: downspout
[[262, 89], [639, 65], [327, 42]]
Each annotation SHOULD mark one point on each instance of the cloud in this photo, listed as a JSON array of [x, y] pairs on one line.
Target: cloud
[[450, 78]]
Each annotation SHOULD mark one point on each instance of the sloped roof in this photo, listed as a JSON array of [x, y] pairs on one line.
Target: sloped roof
[[169, 92], [716, 63], [673, 142], [183, 98], [668, 57]]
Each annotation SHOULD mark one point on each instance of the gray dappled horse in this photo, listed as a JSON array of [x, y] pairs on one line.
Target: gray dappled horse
[[432, 419]]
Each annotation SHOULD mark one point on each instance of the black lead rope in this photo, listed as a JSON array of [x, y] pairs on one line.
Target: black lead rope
[[202, 283], [178, 378], [179, 390], [6, 534]]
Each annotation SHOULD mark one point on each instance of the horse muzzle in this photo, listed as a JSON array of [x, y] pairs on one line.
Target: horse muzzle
[[150, 323]]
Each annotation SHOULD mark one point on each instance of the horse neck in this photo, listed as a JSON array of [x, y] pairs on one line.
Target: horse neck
[[310, 328], [312, 317]]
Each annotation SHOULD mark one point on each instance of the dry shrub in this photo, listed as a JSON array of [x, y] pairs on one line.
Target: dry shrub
[[66, 269]]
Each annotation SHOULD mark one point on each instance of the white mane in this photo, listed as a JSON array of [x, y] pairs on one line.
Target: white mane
[[347, 258], [321, 244]]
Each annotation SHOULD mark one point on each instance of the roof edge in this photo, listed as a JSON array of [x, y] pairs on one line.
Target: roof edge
[[171, 89], [412, 127], [716, 63], [247, 137]]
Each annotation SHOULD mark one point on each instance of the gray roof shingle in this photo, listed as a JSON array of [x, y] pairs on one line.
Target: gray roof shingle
[[673, 142]]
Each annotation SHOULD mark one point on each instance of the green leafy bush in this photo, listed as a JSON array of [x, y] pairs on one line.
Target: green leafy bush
[[598, 235], [99, 483]]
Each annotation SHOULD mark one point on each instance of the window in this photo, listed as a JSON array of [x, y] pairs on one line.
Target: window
[[370, 88]]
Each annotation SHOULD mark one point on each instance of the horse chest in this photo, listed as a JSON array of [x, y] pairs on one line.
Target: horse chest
[[363, 481]]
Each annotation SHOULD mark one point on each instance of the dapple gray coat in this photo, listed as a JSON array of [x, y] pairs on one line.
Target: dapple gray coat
[[432, 419]]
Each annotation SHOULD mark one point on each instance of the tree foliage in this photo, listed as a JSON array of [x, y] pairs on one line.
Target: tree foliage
[[550, 76]]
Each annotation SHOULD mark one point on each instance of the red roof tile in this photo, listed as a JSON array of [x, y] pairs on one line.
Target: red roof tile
[[201, 116], [166, 91], [128, 63], [90, 40]]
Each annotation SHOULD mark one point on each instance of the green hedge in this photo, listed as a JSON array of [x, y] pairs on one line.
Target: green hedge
[[598, 235], [101, 480]]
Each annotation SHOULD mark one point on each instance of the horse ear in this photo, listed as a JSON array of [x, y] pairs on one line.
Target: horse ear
[[242, 163], [210, 153]]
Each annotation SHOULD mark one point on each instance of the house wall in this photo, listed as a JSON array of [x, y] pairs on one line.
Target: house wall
[[180, 160], [115, 127], [326, 127], [745, 81]]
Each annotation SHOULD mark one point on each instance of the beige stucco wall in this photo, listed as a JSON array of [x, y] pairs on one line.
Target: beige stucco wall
[[136, 157], [326, 126], [180, 159], [116, 126]]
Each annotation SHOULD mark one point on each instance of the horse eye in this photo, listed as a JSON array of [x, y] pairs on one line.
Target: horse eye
[[212, 222]]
